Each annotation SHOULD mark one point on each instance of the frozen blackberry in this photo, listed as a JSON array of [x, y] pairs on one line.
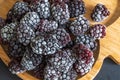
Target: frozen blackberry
[[25, 34], [70, 75], [19, 9], [79, 26], [2, 22], [62, 36], [15, 67], [84, 58], [50, 73], [87, 40], [45, 45], [76, 7], [8, 31], [47, 26], [60, 12], [42, 7], [66, 1], [15, 49], [31, 19], [38, 72], [62, 60], [30, 60], [100, 13], [98, 31]]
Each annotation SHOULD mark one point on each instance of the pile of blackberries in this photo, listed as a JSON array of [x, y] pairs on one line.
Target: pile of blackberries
[[41, 37]]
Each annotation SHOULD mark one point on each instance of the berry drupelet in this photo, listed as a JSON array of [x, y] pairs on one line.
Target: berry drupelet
[[100, 13]]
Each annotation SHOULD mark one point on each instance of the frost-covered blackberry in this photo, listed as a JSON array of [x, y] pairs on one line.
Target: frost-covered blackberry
[[60, 12], [79, 26], [25, 34], [42, 7], [100, 13], [76, 7], [30, 59], [87, 40], [31, 19], [8, 31]]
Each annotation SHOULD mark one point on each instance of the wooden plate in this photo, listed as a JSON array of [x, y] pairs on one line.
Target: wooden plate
[[109, 46]]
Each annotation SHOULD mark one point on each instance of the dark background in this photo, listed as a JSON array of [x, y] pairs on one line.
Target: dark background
[[109, 71]]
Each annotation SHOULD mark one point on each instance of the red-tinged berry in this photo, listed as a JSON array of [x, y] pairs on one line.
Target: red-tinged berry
[[88, 41], [15, 67], [30, 59], [100, 13], [62, 36], [31, 19], [25, 34], [84, 58], [76, 7], [98, 31], [79, 26], [60, 12]]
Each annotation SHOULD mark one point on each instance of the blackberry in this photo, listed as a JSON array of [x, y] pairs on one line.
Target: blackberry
[[45, 45], [42, 7], [76, 7], [79, 26], [84, 58], [62, 36], [2, 22], [31, 19], [62, 60], [30, 60], [15, 49], [60, 12], [47, 26], [98, 31], [50, 73], [19, 9], [100, 13], [87, 40], [70, 75], [15, 67], [38, 72], [8, 31], [25, 34]]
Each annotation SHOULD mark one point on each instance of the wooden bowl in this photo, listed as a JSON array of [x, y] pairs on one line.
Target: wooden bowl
[[108, 47]]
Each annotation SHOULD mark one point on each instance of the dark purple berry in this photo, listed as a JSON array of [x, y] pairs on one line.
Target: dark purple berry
[[100, 13], [79, 26], [98, 31]]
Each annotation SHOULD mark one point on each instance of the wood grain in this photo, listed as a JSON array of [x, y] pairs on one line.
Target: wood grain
[[109, 46]]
